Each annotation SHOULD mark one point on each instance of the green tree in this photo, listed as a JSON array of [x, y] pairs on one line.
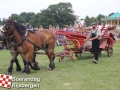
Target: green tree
[[37, 20], [18, 18], [87, 20], [27, 16], [90, 20], [93, 19], [61, 13], [111, 14], [57, 14], [99, 18], [3, 20]]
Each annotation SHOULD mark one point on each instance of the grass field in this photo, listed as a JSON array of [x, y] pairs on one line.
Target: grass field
[[80, 75]]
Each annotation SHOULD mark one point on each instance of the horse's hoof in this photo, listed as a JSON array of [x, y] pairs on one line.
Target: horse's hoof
[[18, 70], [24, 72], [38, 68], [8, 73], [49, 69]]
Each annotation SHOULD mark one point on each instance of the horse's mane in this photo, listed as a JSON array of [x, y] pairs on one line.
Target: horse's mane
[[20, 28]]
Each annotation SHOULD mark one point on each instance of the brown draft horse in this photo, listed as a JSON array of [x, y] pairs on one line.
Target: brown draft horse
[[27, 42]]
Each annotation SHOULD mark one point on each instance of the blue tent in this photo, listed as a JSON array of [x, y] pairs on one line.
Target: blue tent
[[114, 16]]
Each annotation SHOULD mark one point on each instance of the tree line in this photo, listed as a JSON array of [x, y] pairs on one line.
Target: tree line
[[56, 14]]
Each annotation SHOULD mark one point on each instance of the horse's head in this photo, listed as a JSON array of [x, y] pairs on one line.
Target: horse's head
[[8, 32], [7, 27]]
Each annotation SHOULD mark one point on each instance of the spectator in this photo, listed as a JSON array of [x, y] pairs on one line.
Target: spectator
[[53, 29], [71, 28], [36, 29], [67, 28], [57, 27], [50, 27], [29, 27], [119, 35], [40, 28]]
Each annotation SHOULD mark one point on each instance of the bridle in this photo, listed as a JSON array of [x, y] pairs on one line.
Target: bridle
[[9, 28], [7, 38]]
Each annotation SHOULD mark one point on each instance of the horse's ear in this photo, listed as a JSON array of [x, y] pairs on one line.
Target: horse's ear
[[10, 19]]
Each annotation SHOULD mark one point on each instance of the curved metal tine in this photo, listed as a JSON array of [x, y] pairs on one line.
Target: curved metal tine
[[83, 50]]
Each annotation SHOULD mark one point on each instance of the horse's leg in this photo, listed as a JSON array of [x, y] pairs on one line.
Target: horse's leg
[[36, 67], [14, 56], [51, 57], [46, 51], [32, 62], [26, 67], [18, 67], [34, 56]]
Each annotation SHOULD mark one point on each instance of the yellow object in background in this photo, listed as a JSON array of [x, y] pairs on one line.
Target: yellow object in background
[[118, 40]]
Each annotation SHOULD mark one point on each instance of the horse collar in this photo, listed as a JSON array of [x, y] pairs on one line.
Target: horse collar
[[23, 38]]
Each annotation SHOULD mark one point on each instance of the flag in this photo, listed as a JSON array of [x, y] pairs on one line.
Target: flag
[[5, 81]]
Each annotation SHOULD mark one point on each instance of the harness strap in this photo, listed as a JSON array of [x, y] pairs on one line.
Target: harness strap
[[43, 47], [23, 38], [34, 44], [95, 32]]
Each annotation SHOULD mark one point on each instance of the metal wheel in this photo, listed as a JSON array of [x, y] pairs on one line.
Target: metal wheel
[[109, 51], [60, 58], [73, 45], [74, 57]]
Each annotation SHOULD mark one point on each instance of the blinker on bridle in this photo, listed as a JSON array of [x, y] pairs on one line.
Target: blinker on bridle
[[8, 26]]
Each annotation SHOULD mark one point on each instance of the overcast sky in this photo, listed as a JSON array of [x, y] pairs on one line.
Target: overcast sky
[[80, 7]]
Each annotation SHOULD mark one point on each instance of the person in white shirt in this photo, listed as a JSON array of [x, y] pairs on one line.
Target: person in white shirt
[[94, 36], [40, 28]]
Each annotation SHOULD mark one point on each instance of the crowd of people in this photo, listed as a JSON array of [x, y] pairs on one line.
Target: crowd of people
[[70, 28]]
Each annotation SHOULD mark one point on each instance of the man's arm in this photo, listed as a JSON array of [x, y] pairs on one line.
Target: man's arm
[[96, 37], [87, 38]]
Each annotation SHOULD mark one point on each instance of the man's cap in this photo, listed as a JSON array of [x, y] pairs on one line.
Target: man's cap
[[94, 23]]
